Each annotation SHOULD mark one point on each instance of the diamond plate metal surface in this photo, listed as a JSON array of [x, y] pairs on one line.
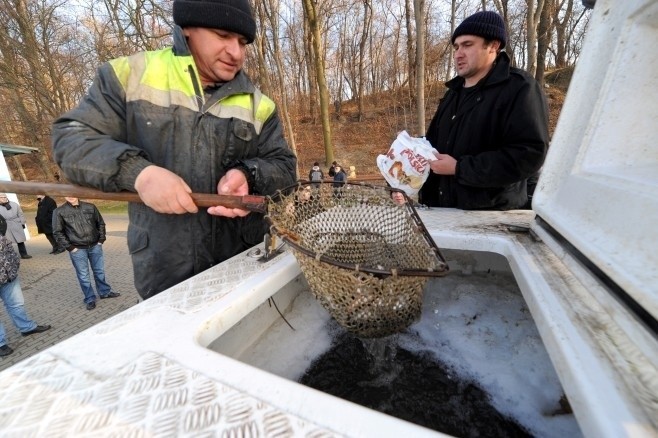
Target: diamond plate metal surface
[[152, 396], [196, 293]]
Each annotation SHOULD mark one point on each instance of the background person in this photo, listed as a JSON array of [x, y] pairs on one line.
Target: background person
[[12, 295], [339, 180], [44, 221], [339, 176], [79, 227], [13, 214], [332, 169], [491, 127], [398, 198], [316, 175], [168, 122]]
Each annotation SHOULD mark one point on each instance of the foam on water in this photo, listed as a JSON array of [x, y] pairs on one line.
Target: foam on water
[[478, 325]]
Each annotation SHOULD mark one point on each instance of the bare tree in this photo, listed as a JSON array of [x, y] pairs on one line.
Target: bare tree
[[561, 30], [311, 14], [270, 9], [311, 74], [453, 10], [570, 25], [533, 16], [346, 58], [411, 63], [419, 13], [307, 55], [259, 44], [122, 27], [544, 38], [394, 72], [32, 73], [367, 21], [340, 67], [503, 9]]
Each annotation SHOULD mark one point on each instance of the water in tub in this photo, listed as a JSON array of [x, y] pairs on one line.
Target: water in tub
[[474, 365]]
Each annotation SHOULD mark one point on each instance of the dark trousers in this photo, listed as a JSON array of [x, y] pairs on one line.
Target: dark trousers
[[22, 249], [52, 241]]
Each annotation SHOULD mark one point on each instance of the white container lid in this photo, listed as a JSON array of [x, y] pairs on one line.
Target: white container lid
[[599, 185]]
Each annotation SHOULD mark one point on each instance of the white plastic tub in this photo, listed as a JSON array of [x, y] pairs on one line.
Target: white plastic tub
[[586, 272], [475, 323]]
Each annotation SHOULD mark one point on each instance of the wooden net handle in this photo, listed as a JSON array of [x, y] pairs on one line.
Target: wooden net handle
[[247, 202]]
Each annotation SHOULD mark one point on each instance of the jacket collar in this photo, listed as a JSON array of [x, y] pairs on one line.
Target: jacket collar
[[180, 46], [239, 84], [499, 73]]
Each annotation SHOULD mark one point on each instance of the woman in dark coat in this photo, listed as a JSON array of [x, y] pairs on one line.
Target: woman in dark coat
[[44, 220]]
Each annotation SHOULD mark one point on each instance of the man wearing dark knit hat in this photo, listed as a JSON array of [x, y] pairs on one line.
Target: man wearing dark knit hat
[[491, 127], [170, 122]]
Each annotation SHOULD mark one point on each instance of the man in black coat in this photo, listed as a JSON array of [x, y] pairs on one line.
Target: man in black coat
[[491, 127], [44, 220]]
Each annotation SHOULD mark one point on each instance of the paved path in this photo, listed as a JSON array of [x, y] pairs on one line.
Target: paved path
[[53, 295]]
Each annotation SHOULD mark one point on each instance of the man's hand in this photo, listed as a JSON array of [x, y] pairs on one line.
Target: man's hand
[[444, 164], [164, 191], [233, 183]]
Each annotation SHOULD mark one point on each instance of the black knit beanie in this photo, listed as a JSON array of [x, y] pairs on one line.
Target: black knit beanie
[[231, 15], [486, 24]]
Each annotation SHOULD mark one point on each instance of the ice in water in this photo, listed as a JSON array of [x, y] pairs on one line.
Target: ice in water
[[475, 336]]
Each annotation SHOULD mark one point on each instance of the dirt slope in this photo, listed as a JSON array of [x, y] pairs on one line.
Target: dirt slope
[[358, 143]]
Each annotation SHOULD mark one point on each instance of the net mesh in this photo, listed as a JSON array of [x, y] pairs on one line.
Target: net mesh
[[366, 256]]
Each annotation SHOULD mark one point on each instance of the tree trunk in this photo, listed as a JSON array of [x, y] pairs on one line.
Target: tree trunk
[[338, 103], [19, 167], [310, 11], [561, 32], [532, 22], [45, 163], [310, 72], [367, 20], [453, 11], [259, 44], [544, 39], [269, 15], [411, 58], [503, 10], [419, 13]]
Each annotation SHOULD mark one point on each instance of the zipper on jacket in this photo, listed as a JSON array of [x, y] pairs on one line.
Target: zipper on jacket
[[213, 219], [199, 100], [197, 89]]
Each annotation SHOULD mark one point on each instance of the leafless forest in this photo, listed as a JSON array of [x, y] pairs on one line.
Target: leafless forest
[[347, 75]]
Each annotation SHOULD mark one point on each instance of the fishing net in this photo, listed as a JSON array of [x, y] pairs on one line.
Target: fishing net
[[366, 256]]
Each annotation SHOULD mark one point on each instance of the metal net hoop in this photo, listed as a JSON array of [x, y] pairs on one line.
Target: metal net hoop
[[365, 256]]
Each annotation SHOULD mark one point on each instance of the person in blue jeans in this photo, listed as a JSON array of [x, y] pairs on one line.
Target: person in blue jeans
[[12, 295], [79, 227]]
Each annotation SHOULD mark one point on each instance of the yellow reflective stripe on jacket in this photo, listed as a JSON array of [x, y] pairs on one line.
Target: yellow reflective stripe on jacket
[[121, 68], [163, 79], [265, 108], [241, 106], [158, 77]]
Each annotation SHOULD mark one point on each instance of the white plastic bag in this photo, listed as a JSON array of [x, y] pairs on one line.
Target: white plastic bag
[[406, 165]]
